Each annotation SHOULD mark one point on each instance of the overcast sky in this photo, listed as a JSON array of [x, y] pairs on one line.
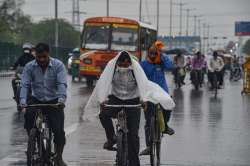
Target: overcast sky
[[220, 14]]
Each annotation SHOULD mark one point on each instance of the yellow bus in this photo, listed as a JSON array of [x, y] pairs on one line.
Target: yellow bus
[[103, 37]]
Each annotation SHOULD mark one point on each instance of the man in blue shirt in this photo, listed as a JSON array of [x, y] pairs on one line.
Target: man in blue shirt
[[154, 67], [47, 79]]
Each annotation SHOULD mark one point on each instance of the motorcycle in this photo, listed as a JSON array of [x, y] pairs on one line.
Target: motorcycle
[[236, 73], [196, 78], [17, 86]]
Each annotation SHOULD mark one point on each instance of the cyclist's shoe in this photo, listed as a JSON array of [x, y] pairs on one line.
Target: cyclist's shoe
[[60, 162], [168, 131], [109, 145], [145, 152]]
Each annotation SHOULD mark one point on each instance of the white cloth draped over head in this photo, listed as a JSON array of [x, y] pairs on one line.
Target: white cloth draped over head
[[148, 90]]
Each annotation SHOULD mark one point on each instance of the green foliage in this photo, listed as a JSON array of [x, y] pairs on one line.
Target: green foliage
[[246, 47], [15, 27], [44, 31]]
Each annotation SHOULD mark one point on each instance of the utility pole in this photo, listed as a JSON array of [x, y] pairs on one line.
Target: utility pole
[[208, 36], [107, 8], [199, 32], [187, 20], [140, 10], [204, 37], [181, 8], [56, 25], [195, 24], [158, 15], [76, 14]]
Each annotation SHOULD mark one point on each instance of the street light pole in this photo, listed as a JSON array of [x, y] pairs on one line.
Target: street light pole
[[140, 9], [158, 15], [107, 8], [204, 37], [170, 24]]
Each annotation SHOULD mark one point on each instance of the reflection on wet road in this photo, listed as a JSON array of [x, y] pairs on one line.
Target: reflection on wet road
[[209, 131]]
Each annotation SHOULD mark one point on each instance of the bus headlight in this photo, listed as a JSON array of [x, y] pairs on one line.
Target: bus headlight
[[87, 61]]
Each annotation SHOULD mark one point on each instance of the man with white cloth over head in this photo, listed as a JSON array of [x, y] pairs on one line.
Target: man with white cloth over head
[[123, 82]]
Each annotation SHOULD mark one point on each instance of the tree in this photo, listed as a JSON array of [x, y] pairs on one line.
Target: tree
[[246, 47], [12, 20], [44, 31]]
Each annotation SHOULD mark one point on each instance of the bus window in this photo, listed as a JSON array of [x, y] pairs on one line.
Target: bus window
[[96, 36], [124, 37]]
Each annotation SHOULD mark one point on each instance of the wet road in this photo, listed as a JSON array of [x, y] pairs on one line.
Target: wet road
[[209, 132]]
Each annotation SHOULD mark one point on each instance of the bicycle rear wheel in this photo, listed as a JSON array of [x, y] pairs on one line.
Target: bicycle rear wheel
[[215, 86], [155, 147], [122, 149]]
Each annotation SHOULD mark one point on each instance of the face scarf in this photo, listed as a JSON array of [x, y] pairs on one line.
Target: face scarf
[[156, 59]]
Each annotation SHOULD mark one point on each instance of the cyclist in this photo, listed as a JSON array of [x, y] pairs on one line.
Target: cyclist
[[20, 63], [179, 63], [198, 62], [124, 82], [154, 67], [47, 78], [215, 66]]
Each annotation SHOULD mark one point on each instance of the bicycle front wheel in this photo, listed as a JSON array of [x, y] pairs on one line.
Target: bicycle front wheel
[[155, 147], [122, 149], [31, 159]]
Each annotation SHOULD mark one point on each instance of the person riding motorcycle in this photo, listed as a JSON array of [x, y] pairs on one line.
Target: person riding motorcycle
[[154, 67], [197, 65], [75, 63], [215, 66], [124, 82], [179, 64], [19, 65]]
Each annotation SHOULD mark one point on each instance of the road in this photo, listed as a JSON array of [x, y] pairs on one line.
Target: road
[[209, 132]]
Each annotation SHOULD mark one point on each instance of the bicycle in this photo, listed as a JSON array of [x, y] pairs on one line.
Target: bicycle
[[180, 73], [41, 150], [155, 137], [215, 84], [121, 133], [196, 79]]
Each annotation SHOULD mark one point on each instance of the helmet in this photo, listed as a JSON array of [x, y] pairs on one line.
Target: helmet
[[76, 51], [27, 48]]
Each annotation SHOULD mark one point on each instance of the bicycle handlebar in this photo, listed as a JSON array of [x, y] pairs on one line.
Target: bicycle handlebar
[[123, 106], [42, 105]]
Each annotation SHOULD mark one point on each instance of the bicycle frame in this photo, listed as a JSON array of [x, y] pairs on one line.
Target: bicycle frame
[[121, 132], [43, 138]]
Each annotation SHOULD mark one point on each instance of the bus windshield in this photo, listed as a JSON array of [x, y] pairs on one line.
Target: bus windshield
[[124, 37], [96, 36]]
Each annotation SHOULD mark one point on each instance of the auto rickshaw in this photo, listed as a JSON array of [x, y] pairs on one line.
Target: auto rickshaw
[[246, 76], [75, 64]]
